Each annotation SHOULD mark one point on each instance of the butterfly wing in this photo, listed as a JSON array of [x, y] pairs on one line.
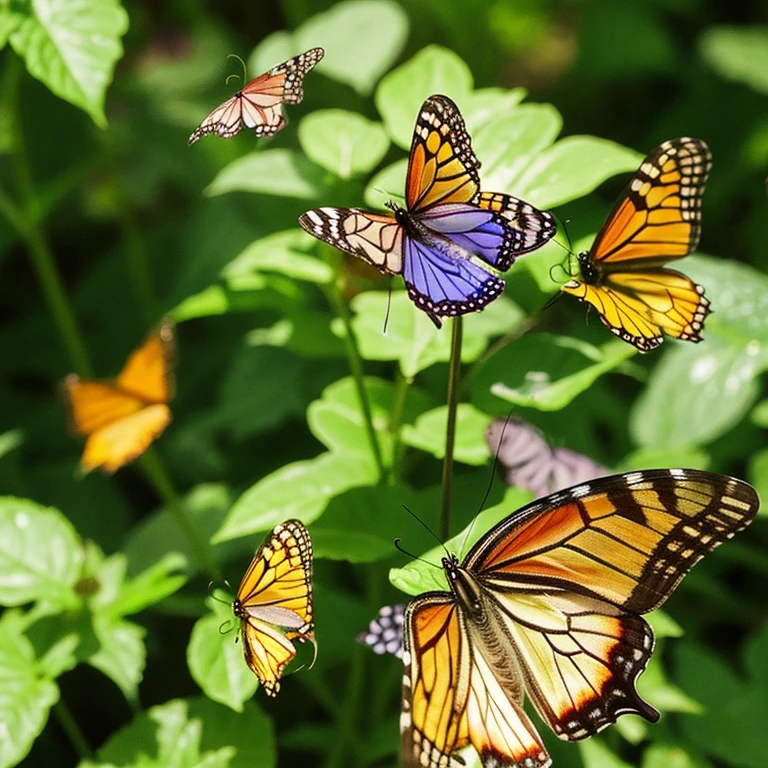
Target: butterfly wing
[[452, 696], [259, 104], [657, 220], [274, 602], [148, 373], [570, 574]]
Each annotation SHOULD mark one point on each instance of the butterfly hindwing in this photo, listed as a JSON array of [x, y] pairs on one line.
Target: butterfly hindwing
[[274, 602], [657, 220]]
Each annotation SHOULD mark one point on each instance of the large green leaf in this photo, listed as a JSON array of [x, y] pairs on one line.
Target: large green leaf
[[738, 53], [344, 143], [72, 47], [121, 655], [40, 555], [402, 92]]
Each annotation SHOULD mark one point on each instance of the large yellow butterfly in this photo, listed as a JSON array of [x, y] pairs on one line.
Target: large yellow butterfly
[[547, 604], [657, 220], [274, 603], [122, 417]]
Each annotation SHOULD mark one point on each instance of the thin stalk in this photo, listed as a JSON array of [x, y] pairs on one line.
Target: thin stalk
[[27, 222], [454, 376], [72, 729], [155, 472], [356, 367]]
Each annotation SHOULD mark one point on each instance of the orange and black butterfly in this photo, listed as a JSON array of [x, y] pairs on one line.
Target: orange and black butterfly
[[259, 104], [548, 605], [657, 220], [274, 603], [123, 416], [451, 239]]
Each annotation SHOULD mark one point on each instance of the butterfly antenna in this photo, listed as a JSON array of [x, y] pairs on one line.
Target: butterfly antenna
[[218, 599], [228, 625], [235, 56], [425, 527], [410, 554], [490, 480]]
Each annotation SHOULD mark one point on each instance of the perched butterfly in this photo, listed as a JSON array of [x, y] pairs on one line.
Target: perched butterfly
[[532, 464], [258, 104], [385, 632], [547, 604], [122, 417], [451, 237], [657, 220], [274, 603]]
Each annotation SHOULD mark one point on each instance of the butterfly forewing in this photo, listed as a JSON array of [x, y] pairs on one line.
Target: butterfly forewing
[[148, 373], [277, 584]]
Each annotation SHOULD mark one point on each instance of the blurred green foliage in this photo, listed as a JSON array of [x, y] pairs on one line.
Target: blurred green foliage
[[108, 220]]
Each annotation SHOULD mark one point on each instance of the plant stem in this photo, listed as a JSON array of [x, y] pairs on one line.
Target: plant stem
[[27, 222], [72, 729], [155, 471], [395, 422], [454, 375]]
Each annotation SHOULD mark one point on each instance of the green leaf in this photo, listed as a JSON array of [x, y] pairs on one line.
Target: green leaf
[[758, 476], [597, 754], [121, 655], [10, 19], [362, 38], [72, 48], [402, 92], [300, 490], [281, 172], [506, 144], [546, 372], [411, 337], [654, 458], [284, 252], [9, 440], [216, 662], [738, 53], [418, 576], [39, 555], [670, 756], [570, 169], [428, 434], [388, 184], [344, 143], [654, 686], [27, 697], [486, 104], [759, 414]]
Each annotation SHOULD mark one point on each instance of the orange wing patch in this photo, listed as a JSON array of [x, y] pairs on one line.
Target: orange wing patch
[[274, 603], [121, 418]]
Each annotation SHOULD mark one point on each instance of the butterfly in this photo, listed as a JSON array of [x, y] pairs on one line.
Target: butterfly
[[451, 238], [657, 220], [122, 417], [258, 104], [274, 603], [547, 605]]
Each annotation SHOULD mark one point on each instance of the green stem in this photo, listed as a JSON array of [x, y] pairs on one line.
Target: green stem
[[356, 366], [454, 375], [395, 422], [27, 222], [72, 729], [155, 471]]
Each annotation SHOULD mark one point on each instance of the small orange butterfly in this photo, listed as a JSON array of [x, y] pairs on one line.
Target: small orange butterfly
[[122, 417]]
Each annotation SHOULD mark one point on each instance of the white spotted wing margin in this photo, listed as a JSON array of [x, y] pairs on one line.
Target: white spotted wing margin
[[547, 604]]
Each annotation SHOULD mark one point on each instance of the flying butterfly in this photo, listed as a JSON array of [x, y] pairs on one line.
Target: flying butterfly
[[274, 603], [122, 417], [451, 239], [259, 103], [657, 220], [548, 605]]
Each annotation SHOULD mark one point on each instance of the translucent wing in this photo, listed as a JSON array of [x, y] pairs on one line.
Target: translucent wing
[[453, 696], [442, 167], [570, 574], [274, 602], [656, 221], [373, 237], [258, 104]]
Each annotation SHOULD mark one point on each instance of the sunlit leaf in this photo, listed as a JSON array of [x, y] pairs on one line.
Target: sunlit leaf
[[738, 53]]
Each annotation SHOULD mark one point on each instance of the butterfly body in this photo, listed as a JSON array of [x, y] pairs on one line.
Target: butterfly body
[[274, 603], [450, 237], [258, 104], [548, 605], [657, 220]]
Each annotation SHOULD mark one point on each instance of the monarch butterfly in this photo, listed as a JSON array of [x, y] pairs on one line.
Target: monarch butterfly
[[385, 632], [532, 464], [122, 417], [450, 237], [274, 603], [258, 104], [657, 220], [547, 604]]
